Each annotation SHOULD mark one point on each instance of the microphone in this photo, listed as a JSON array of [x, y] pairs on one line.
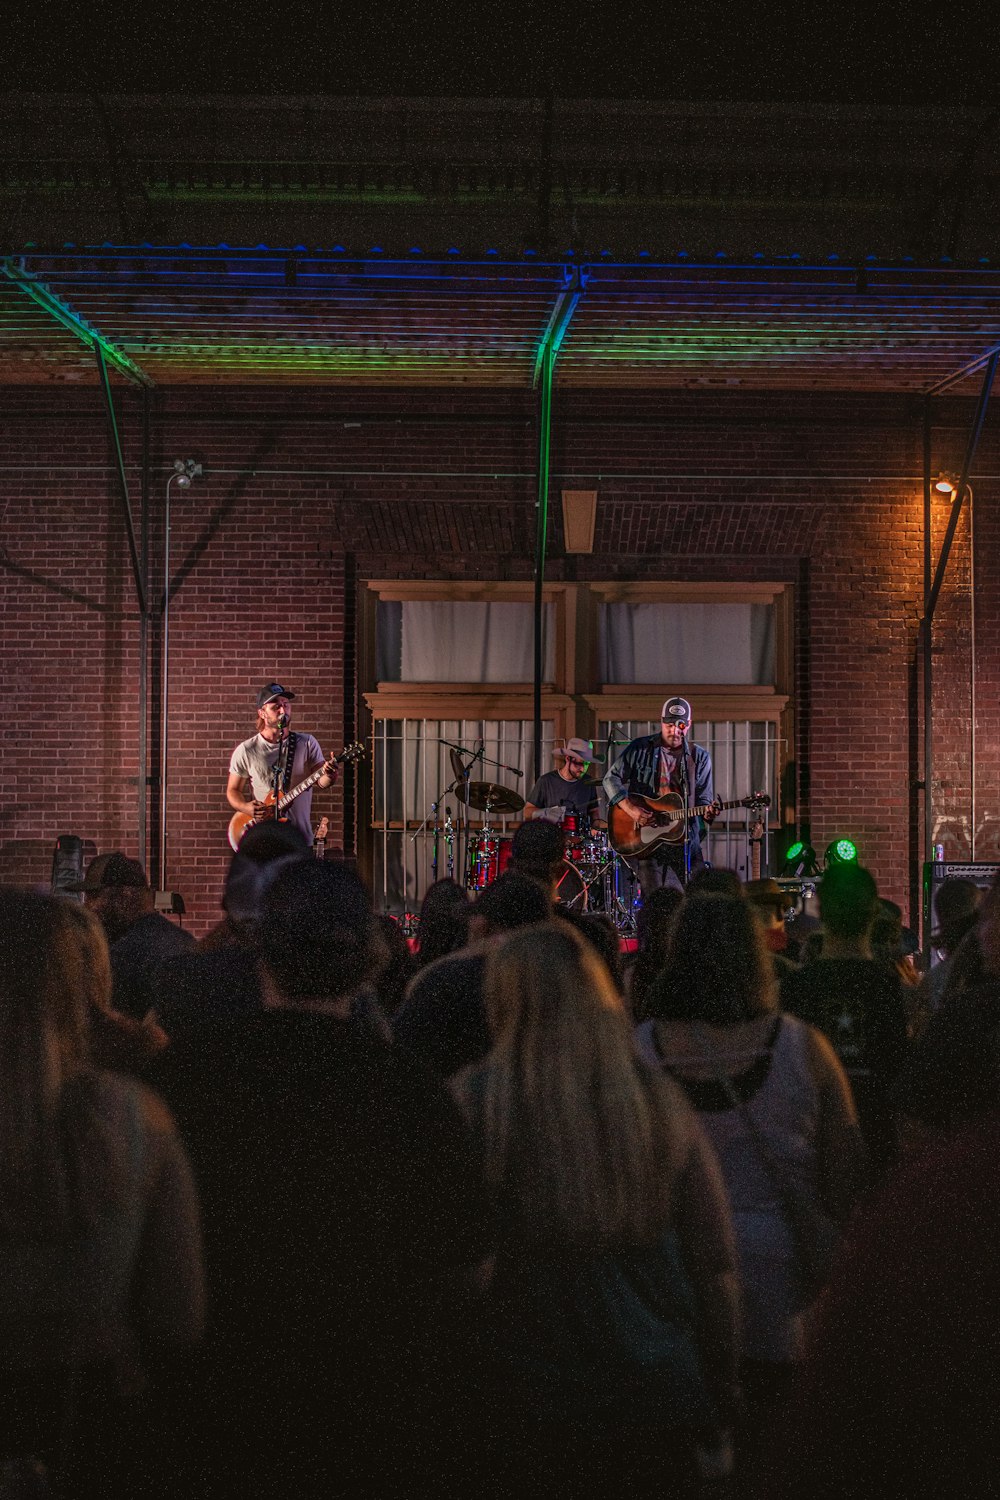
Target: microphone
[[282, 721]]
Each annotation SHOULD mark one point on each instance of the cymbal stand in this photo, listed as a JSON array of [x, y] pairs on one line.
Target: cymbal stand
[[458, 764], [436, 830], [449, 844]]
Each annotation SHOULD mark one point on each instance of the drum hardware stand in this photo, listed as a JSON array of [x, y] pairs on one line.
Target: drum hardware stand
[[622, 906], [447, 830]]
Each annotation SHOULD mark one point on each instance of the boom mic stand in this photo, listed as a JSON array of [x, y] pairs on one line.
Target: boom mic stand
[[685, 781], [278, 774], [463, 773]]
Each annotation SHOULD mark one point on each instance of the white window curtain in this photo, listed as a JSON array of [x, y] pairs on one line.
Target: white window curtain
[[455, 641], [665, 643]]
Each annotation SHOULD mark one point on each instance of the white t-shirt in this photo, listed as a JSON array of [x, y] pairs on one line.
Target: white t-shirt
[[254, 760]]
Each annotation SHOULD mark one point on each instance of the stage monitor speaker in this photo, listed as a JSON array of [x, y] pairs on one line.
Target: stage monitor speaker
[[981, 874], [67, 863]]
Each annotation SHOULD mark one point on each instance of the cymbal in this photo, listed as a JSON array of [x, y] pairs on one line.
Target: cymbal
[[457, 768], [487, 796]]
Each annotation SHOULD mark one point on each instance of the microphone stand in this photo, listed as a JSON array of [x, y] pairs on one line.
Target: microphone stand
[[463, 796], [434, 846], [685, 782], [623, 877], [277, 776]]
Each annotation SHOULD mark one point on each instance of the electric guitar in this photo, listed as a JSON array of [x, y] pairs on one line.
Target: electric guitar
[[240, 822], [628, 837]]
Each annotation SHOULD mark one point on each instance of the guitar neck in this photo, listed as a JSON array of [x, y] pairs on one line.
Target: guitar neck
[[350, 752], [297, 791], [699, 812]]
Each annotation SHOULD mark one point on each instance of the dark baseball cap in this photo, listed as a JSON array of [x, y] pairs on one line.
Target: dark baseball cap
[[107, 871], [273, 690], [676, 711]]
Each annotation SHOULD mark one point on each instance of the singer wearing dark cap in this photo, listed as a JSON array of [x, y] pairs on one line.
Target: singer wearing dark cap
[[652, 765], [254, 761]]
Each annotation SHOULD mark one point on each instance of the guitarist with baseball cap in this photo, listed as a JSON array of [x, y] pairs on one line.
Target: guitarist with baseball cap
[[656, 766], [274, 750]]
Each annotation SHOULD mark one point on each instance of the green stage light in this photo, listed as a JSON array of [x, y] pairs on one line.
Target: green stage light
[[841, 852], [800, 859]]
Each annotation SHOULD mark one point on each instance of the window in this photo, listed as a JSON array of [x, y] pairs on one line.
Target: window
[[453, 661]]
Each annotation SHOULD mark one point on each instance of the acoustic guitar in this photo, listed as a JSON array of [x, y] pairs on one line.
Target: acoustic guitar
[[641, 842], [240, 822]]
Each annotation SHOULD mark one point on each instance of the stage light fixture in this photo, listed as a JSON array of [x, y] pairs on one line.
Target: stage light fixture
[[944, 485], [841, 852], [800, 859]]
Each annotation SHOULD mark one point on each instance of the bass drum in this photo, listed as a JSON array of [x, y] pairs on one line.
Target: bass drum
[[570, 889]]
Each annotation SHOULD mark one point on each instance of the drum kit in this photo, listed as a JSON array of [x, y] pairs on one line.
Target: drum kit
[[591, 874], [593, 877]]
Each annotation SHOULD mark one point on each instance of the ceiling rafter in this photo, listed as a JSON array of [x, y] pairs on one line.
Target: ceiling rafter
[[63, 314]]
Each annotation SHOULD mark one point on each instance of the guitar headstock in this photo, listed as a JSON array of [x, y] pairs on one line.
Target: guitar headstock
[[352, 752], [757, 800]]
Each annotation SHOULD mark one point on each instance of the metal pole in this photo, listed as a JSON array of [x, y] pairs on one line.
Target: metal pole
[[925, 647], [541, 542], [143, 790], [972, 676], [545, 361], [963, 483], [932, 587], [164, 687]]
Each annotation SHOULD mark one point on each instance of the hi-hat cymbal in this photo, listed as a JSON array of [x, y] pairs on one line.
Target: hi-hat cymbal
[[488, 797]]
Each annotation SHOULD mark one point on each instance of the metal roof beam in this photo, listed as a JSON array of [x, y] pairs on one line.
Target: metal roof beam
[[123, 495], [559, 320], [971, 368], [63, 314]]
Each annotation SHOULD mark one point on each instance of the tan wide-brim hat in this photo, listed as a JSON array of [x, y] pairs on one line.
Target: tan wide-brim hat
[[767, 893], [579, 749]]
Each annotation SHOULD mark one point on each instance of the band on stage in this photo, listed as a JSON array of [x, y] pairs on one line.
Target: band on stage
[[639, 826]]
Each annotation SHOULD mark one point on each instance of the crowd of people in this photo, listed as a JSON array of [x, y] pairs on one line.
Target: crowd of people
[[294, 1209]]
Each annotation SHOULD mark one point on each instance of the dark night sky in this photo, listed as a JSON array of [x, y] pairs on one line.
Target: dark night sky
[[891, 52]]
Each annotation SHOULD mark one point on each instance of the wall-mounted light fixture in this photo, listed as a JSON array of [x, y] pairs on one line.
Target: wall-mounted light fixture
[[185, 471], [579, 511]]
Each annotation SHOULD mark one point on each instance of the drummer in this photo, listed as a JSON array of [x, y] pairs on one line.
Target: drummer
[[566, 791]]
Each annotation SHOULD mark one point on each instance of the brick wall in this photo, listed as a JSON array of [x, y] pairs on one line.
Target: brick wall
[[307, 492]]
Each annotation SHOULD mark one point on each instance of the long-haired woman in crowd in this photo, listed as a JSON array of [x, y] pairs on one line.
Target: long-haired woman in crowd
[[654, 925], [119, 1043], [443, 926], [609, 1327], [777, 1107], [99, 1242]]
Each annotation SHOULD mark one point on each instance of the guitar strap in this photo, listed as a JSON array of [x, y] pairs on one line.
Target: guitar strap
[[286, 778], [692, 783]]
